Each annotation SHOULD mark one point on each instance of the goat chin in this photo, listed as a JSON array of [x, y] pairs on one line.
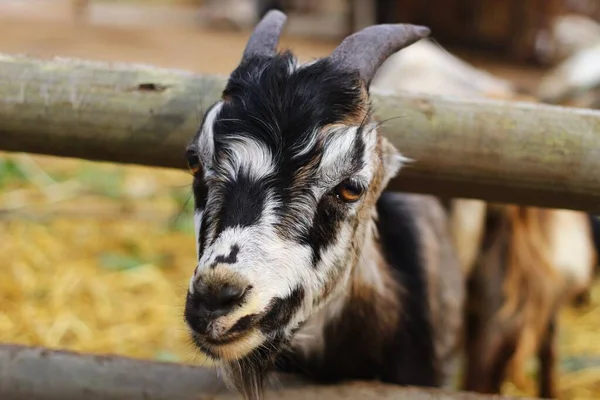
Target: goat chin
[[248, 374]]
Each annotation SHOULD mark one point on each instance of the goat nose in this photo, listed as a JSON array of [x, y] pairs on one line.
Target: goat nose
[[218, 300], [209, 302]]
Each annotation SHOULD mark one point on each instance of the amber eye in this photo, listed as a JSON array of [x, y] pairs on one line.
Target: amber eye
[[348, 191], [193, 161]]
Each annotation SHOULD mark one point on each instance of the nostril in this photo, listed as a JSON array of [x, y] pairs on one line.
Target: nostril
[[226, 299], [230, 295]]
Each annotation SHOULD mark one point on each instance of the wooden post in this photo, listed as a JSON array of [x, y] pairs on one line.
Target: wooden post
[[526, 153]]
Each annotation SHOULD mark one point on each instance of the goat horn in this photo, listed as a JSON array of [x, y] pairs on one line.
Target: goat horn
[[368, 48], [265, 36]]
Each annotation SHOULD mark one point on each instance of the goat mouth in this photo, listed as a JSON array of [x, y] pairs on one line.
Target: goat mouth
[[246, 335], [231, 347], [241, 332], [202, 339], [220, 341]]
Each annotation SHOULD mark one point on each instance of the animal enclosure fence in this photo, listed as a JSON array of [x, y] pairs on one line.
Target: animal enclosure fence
[[498, 151]]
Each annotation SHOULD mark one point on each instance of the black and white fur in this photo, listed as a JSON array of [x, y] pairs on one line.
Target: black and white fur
[[292, 276]]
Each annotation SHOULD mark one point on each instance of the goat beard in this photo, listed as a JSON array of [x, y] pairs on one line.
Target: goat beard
[[249, 374]]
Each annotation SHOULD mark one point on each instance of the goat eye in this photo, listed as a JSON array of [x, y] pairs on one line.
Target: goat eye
[[348, 191], [193, 161]]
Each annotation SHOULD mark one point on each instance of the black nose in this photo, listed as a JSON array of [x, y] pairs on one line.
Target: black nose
[[208, 302], [219, 301]]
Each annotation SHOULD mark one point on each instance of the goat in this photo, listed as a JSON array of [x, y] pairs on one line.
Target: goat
[[531, 262], [575, 268], [306, 264]]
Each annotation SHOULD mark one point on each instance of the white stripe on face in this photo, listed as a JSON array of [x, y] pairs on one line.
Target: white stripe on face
[[339, 147], [307, 145], [250, 156], [205, 142], [197, 226]]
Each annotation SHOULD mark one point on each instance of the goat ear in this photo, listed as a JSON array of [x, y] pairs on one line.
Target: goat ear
[[368, 48], [264, 38], [391, 160]]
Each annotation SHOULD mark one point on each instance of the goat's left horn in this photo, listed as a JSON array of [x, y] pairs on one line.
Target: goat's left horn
[[368, 48], [265, 36]]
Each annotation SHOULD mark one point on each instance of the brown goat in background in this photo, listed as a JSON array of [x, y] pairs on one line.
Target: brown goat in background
[[531, 262]]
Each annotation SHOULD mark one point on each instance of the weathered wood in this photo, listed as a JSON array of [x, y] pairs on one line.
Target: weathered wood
[[364, 391], [33, 373], [525, 153]]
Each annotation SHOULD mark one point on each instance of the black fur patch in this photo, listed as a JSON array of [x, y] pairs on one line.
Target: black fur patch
[[196, 319], [281, 108], [281, 311], [200, 193], [325, 227], [231, 258], [242, 203], [415, 361], [243, 323]]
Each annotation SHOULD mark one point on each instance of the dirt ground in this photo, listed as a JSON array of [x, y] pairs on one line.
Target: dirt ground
[[50, 31], [171, 46], [97, 255]]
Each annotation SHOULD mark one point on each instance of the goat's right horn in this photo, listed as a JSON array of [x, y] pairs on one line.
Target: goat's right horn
[[368, 48], [265, 36]]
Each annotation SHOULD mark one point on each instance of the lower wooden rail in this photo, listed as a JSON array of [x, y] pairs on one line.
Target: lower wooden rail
[[35, 373]]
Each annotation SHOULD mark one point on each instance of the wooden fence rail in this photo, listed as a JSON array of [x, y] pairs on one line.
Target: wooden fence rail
[[33, 373], [497, 151]]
